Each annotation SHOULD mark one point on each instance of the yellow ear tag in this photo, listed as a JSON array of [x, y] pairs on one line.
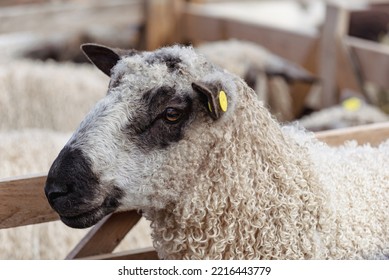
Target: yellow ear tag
[[209, 107], [223, 101], [352, 104]]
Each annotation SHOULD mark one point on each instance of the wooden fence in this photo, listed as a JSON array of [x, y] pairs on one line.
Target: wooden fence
[[327, 54]]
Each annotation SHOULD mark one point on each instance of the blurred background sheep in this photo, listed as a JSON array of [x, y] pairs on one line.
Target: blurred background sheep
[[47, 95], [351, 112]]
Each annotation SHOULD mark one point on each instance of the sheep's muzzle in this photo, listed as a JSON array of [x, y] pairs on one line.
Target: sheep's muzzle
[[72, 190]]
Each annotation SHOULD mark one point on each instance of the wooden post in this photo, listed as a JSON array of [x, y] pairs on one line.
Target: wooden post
[[338, 68], [334, 26], [162, 23], [300, 91]]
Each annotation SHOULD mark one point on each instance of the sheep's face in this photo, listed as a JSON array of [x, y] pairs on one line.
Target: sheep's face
[[153, 99]]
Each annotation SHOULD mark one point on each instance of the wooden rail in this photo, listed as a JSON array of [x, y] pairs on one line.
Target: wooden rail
[[106, 235], [65, 16], [139, 254], [23, 202], [372, 133]]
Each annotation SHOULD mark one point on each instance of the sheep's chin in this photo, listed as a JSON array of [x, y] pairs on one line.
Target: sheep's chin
[[91, 217], [87, 219]]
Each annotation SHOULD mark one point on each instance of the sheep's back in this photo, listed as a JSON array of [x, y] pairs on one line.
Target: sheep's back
[[356, 180]]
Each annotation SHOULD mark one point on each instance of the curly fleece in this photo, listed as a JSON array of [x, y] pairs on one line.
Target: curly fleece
[[234, 185], [258, 191]]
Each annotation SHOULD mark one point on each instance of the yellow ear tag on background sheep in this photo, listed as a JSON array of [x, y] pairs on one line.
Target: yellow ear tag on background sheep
[[223, 101], [352, 104]]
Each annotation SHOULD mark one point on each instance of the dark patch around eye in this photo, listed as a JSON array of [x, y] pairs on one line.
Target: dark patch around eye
[[151, 129], [160, 98]]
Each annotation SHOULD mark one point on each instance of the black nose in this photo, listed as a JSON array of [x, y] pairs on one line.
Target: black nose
[[55, 190], [70, 180]]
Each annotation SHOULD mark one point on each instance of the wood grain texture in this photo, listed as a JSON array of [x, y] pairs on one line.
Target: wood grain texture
[[372, 133], [139, 254], [162, 23], [333, 30], [23, 202], [49, 18]]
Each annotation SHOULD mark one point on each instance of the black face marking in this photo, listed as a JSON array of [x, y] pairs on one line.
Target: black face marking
[[89, 218], [155, 126], [172, 62], [71, 174], [158, 98], [71, 186]]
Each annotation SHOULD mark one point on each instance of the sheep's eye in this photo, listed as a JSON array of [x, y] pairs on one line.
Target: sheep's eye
[[172, 115]]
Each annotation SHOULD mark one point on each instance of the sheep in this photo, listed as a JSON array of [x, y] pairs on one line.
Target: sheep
[[33, 128], [268, 74], [352, 112], [191, 146], [32, 93]]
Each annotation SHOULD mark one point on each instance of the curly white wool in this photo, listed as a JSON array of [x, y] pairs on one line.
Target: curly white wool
[[241, 186]]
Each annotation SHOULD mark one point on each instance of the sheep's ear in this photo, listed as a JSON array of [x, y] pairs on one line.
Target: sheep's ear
[[103, 57], [214, 96]]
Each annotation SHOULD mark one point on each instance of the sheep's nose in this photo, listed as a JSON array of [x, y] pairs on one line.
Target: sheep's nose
[[55, 190], [70, 181]]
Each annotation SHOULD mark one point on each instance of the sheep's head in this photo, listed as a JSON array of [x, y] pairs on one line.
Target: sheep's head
[[154, 101]]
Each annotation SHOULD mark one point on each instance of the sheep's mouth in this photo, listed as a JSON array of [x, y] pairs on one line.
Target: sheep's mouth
[[85, 220], [91, 217]]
